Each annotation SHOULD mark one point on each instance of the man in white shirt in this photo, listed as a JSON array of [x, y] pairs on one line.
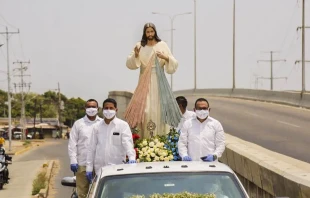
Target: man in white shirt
[[78, 145], [111, 141], [182, 102], [201, 137]]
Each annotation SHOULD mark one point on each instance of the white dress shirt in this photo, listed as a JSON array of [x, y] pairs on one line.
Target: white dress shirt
[[79, 140], [201, 139], [109, 145], [186, 115]]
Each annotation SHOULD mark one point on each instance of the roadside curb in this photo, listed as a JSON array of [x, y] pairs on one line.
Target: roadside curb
[[44, 192], [20, 151]]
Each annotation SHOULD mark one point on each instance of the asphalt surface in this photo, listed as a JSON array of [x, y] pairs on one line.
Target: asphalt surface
[[279, 128], [53, 152]]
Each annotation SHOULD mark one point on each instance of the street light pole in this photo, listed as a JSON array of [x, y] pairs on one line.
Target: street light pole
[[171, 29], [195, 68], [234, 44]]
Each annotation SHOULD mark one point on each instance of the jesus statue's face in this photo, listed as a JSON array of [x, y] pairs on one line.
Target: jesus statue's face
[[150, 33]]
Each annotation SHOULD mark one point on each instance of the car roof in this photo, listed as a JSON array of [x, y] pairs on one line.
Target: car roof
[[162, 167]]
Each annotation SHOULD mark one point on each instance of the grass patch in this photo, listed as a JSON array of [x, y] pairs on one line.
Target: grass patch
[[39, 182], [27, 143]]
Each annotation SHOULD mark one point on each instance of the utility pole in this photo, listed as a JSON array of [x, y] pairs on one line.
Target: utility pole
[[7, 33], [60, 107], [22, 84], [234, 43], [271, 67], [303, 50], [195, 48]]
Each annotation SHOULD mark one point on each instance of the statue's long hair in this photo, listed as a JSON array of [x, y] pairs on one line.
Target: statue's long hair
[[144, 38]]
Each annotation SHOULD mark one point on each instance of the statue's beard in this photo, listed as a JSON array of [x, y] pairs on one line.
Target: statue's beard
[[150, 38]]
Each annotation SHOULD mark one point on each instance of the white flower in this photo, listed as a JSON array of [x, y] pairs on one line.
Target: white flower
[[161, 158], [143, 149], [138, 160], [156, 150], [157, 158], [148, 159], [144, 143], [171, 157], [147, 156], [166, 159], [153, 154], [151, 144], [158, 145], [156, 140]]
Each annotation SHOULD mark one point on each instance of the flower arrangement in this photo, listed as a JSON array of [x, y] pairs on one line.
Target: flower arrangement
[[172, 144], [177, 195], [153, 150], [135, 138]]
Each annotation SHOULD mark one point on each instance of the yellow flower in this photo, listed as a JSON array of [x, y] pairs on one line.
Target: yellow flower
[[156, 140], [152, 154], [148, 159], [166, 159], [157, 158], [170, 157], [161, 158]]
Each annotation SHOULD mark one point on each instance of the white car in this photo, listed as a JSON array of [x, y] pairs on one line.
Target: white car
[[126, 180]]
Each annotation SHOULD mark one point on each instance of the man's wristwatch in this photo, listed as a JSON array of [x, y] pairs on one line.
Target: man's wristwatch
[[214, 157]]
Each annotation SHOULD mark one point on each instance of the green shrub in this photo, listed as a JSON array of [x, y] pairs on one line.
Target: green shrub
[[39, 183]]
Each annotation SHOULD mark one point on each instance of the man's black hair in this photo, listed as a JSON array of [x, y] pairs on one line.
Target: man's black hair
[[91, 100], [201, 100], [181, 100], [111, 100]]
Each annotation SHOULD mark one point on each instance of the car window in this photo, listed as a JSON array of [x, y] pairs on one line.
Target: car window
[[222, 184]]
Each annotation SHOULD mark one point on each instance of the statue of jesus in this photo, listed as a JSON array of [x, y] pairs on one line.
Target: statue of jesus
[[153, 107]]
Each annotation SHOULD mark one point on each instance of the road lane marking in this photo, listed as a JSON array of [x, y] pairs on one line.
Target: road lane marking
[[293, 125], [253, 114]]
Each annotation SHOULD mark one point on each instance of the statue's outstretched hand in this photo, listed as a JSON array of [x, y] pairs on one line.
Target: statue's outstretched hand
[[137, 50]]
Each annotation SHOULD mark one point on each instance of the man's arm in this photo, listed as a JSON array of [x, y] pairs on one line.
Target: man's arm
[[219, 140], [183, 141], [91, 152], [133, 62], [127, 142], [72, 145]]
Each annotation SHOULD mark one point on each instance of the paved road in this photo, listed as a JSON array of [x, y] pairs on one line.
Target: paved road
[[280, 128], [52, 151]]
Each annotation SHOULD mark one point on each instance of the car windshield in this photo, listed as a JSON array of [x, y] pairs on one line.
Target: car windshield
[[222, 184]]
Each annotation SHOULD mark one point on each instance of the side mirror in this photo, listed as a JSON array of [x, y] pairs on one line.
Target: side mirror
[[68, 181]]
